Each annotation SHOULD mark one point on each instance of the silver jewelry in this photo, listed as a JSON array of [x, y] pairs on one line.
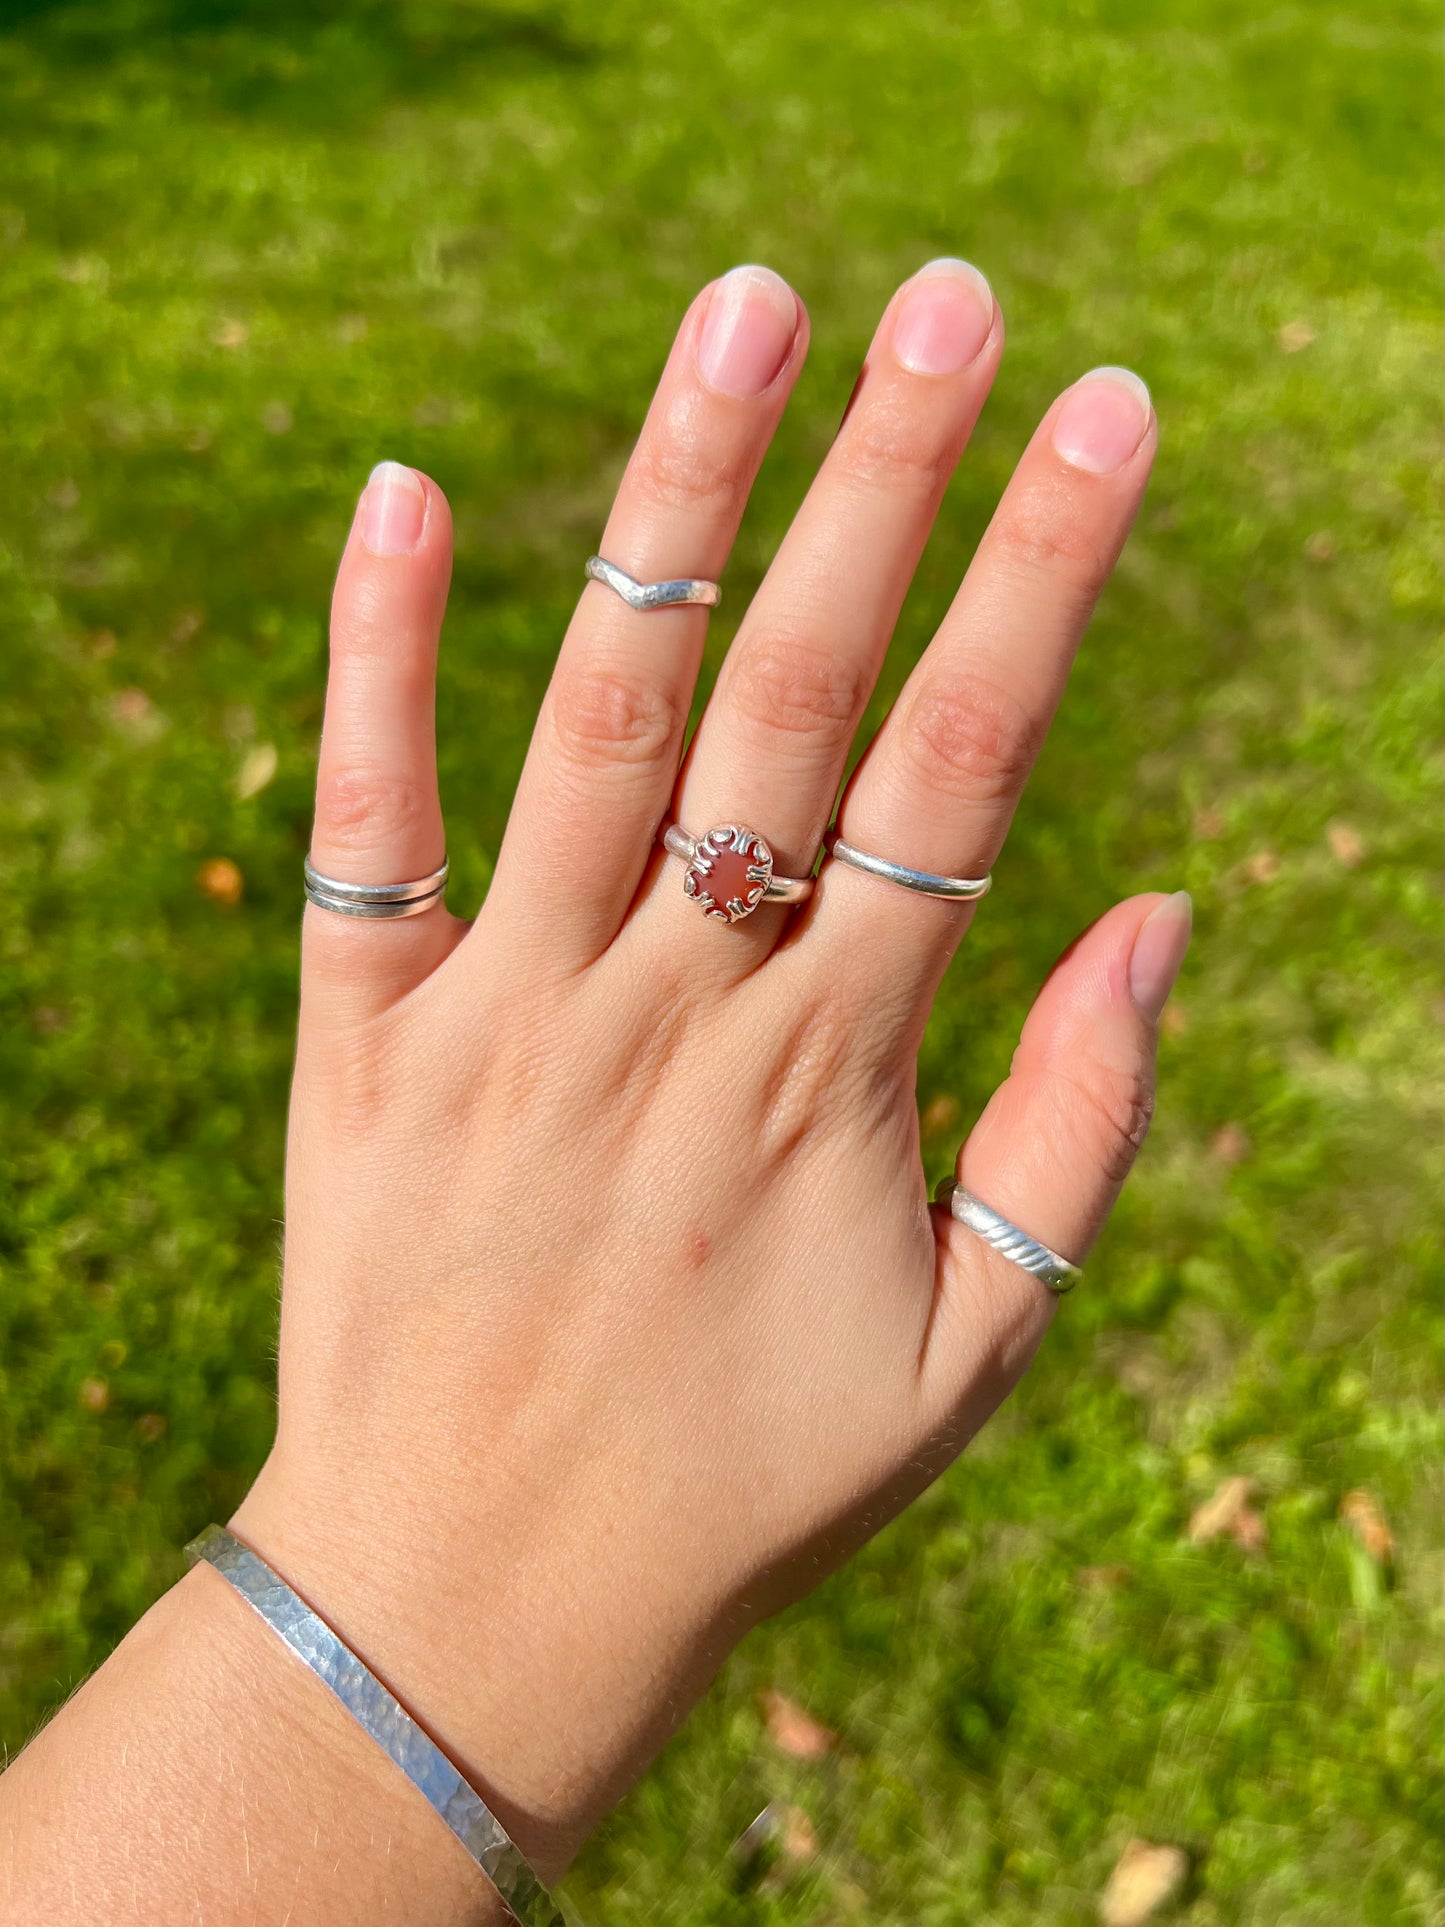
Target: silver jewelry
[[924, 882], [653, 595], [385, 1719], [730, 871], [384, 900], [1006, 1238]]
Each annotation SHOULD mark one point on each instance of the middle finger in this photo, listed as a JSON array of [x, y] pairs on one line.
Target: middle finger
[[773, 743]]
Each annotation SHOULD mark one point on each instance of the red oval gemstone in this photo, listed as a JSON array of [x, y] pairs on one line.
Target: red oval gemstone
[[726, 878]]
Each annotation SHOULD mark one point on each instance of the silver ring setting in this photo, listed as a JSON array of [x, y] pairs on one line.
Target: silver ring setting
[[1006, 1238], [653, 595], [730, 871], [922, 882], [380, 902]]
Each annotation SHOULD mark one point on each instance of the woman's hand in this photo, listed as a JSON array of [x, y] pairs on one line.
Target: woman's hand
[[615, 1312]]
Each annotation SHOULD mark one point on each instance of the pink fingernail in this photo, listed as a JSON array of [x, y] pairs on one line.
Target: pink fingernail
[[747, 333], [1102, 420], [1159, 952], [943, 318], [392, 510]]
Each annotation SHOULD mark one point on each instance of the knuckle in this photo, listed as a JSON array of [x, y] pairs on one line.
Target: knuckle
[[614, 716], [886, 447], [787, 687], [1044, 534], [971, 739], [1120, 1109], [355, 803], [678, 468]]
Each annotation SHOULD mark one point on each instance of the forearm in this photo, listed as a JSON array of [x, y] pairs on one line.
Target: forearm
[[203, 1774]]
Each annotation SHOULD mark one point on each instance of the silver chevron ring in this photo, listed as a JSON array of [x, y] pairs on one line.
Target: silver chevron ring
[[653, 595]]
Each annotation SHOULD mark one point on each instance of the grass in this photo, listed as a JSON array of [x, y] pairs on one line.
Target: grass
[[245, 251]]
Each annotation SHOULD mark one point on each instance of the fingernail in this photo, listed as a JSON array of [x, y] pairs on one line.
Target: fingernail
[[1102, 420], [943, 318], [1159, 951], [392, 510], [747, 333]]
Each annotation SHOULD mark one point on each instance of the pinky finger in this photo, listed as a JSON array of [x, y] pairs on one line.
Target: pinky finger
[[1053, 1147]]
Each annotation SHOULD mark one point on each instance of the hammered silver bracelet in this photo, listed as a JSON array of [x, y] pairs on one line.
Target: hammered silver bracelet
[[385, 1719]]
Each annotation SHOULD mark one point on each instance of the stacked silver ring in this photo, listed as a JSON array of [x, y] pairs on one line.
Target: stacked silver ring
[[379, 901]]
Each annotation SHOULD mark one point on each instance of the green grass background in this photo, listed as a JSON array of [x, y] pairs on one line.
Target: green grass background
[[246, 251]]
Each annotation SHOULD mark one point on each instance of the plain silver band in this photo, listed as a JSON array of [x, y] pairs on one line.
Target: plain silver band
[[678, 842], [923, 882], [384, 1718], [379, 901], [653, 595], [1006, 1238]]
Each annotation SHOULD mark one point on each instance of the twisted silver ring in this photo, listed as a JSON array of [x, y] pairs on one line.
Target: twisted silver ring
[[730, 871], [1006, 1238], [653, 595], [923, 882], [378, 901]]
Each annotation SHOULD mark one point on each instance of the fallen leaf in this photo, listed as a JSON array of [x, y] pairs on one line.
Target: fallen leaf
[[1104, 1578], [1346, 844], [800, 1837], [1208, 823], [1230, 1514], [187, 623], [1174, 1018], [1320, 547], [231, 333], [1263, 867], [94, 1394], [102, 644], [1145, 1879], [1230, 1145], [1294, 336], [258, 766], [940, 1114], [130, 706], [277, 419], [151, 1426], [220, 879], [793, 1731], [1361, 1513]]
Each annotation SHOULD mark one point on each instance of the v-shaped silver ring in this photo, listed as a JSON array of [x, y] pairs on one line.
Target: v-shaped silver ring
[[653, 595]]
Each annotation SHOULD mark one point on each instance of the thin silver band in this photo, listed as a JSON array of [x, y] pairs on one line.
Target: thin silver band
[[385, 1719], [680, 842], [923, 882], [375, 900], [653, 595], [1006, 1238]]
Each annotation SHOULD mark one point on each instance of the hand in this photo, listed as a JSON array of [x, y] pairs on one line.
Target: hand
[[615, 1312]]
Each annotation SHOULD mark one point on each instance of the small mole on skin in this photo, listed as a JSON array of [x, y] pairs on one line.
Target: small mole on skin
[[699, 1250]]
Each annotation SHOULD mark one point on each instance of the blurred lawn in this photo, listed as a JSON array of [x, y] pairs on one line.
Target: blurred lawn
[[247, 250]]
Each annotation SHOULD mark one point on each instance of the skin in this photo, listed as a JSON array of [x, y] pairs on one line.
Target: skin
[[615, 1312]]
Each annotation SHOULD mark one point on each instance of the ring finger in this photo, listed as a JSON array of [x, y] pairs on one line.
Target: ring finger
[[940, 782], [774, 740]]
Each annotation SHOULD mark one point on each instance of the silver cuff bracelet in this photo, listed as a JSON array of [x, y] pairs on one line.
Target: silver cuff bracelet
[[385, 1719]]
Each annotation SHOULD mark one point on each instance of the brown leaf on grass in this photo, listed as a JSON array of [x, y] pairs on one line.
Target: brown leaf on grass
[[1361, 1513], [94, 1394], [1146, 1878], [1230, 1513], [940, 1114], [1230, 1144], [1208, 823], [220, 879], [1174, 1018], [1347, 846], [258, 766], [1320, 547], [1263, 867], [1294, 336], [800, 1836], [130, 706], [151, 1426], [231, 333], [187, 624], [1104, 1578], [793, 1731], [102, 645]]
